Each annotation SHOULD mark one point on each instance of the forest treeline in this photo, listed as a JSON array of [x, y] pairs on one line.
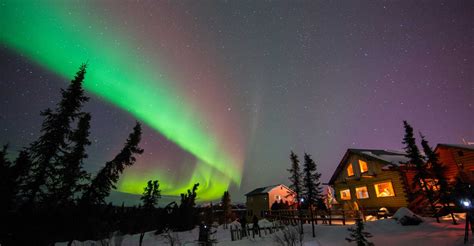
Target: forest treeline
[[48, 196]]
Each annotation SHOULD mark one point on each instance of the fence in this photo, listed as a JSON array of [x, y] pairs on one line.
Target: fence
[[237, 233]]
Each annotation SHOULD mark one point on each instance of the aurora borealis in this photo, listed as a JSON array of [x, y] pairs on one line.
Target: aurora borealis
[[120, 74], [226, 89]]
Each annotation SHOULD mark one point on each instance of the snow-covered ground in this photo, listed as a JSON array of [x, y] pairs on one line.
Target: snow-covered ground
[[385, 232]]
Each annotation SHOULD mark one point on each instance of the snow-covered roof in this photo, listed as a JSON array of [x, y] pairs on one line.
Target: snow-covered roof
[[264, 190], [389, 157]]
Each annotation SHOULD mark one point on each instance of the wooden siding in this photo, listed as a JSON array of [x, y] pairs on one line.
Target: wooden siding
[[454, 159], [377, 175], [257, 204], [263, 202]]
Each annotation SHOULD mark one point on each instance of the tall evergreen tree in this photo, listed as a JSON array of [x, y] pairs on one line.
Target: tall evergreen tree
[[72, 177], [187, 208], [151, 194], [5, 179], [312, 194], [296, 183], [107, 177], [438, 169], [18, 175], [46, 152], [421, 171], [226, 207], [150, 197]]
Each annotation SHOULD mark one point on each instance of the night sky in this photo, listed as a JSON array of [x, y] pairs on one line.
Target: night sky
[[226, 89]]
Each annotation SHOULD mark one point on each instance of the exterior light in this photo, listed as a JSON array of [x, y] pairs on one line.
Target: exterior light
[[466, 203], [302, 199]]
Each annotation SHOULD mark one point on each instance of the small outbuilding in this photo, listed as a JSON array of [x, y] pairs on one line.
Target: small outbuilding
[[261, 199]]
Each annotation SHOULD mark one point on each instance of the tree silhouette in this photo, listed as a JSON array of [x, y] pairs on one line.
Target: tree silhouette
[[46, 152], [226, 207], [438, 170], [151, 194], [296, 183], [421, 170], [186, 209], [107, 177], [312, 192]]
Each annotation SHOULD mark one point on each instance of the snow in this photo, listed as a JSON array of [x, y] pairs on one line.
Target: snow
[[386, 232], [402, 212]]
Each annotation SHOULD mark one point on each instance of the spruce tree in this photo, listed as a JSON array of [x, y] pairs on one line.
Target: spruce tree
[[226, 207], [421, 170], [296, 183], [186, 208], [312, 194], [438, 171], [72, 177], [151, 194], [18, 174], [358, 234], [5, 179], [107, 177], [150, 197], [46, 152]]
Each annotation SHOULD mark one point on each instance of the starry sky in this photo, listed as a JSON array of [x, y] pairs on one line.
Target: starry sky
[[225, 89]]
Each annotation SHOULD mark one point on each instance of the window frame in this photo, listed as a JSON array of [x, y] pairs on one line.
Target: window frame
[[366, 189], [352, 170], [366, 166], [377, 192], [349, 192]]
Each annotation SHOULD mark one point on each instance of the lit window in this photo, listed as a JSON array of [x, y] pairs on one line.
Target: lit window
[[363, 166], [384, 189], [350, 170], [345, 194], [431, 183], [362, 193]]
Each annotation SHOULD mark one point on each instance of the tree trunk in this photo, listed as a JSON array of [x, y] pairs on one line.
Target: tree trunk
[[312, 219], [142, 235]]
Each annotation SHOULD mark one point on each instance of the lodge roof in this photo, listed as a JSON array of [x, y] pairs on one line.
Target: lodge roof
[[457, 146], [264, 190], [389, 157]]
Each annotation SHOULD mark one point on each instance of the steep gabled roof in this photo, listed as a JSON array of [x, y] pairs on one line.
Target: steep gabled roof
[[389, 157], [264, 190]]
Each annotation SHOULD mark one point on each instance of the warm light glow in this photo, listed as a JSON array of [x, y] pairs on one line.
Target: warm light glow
[[363, 166], [346, 194], [362, 193], [384, 189], [350, 170], [431, 183]]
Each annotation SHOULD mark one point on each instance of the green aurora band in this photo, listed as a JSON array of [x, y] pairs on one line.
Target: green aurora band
[[55, 38]]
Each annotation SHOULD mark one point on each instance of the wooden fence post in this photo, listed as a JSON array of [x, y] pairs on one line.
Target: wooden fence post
[[343, 217], [330, 218]]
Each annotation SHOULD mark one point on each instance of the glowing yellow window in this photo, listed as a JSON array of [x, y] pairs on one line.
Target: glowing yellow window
[[363, 166], [384, 189], [350, 170], [345, 194], [362, 193]]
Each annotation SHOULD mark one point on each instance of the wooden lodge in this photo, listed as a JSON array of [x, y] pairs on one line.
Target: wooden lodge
[[371, 179]]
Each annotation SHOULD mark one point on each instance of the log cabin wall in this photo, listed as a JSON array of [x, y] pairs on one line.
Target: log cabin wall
[[376, 174]]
